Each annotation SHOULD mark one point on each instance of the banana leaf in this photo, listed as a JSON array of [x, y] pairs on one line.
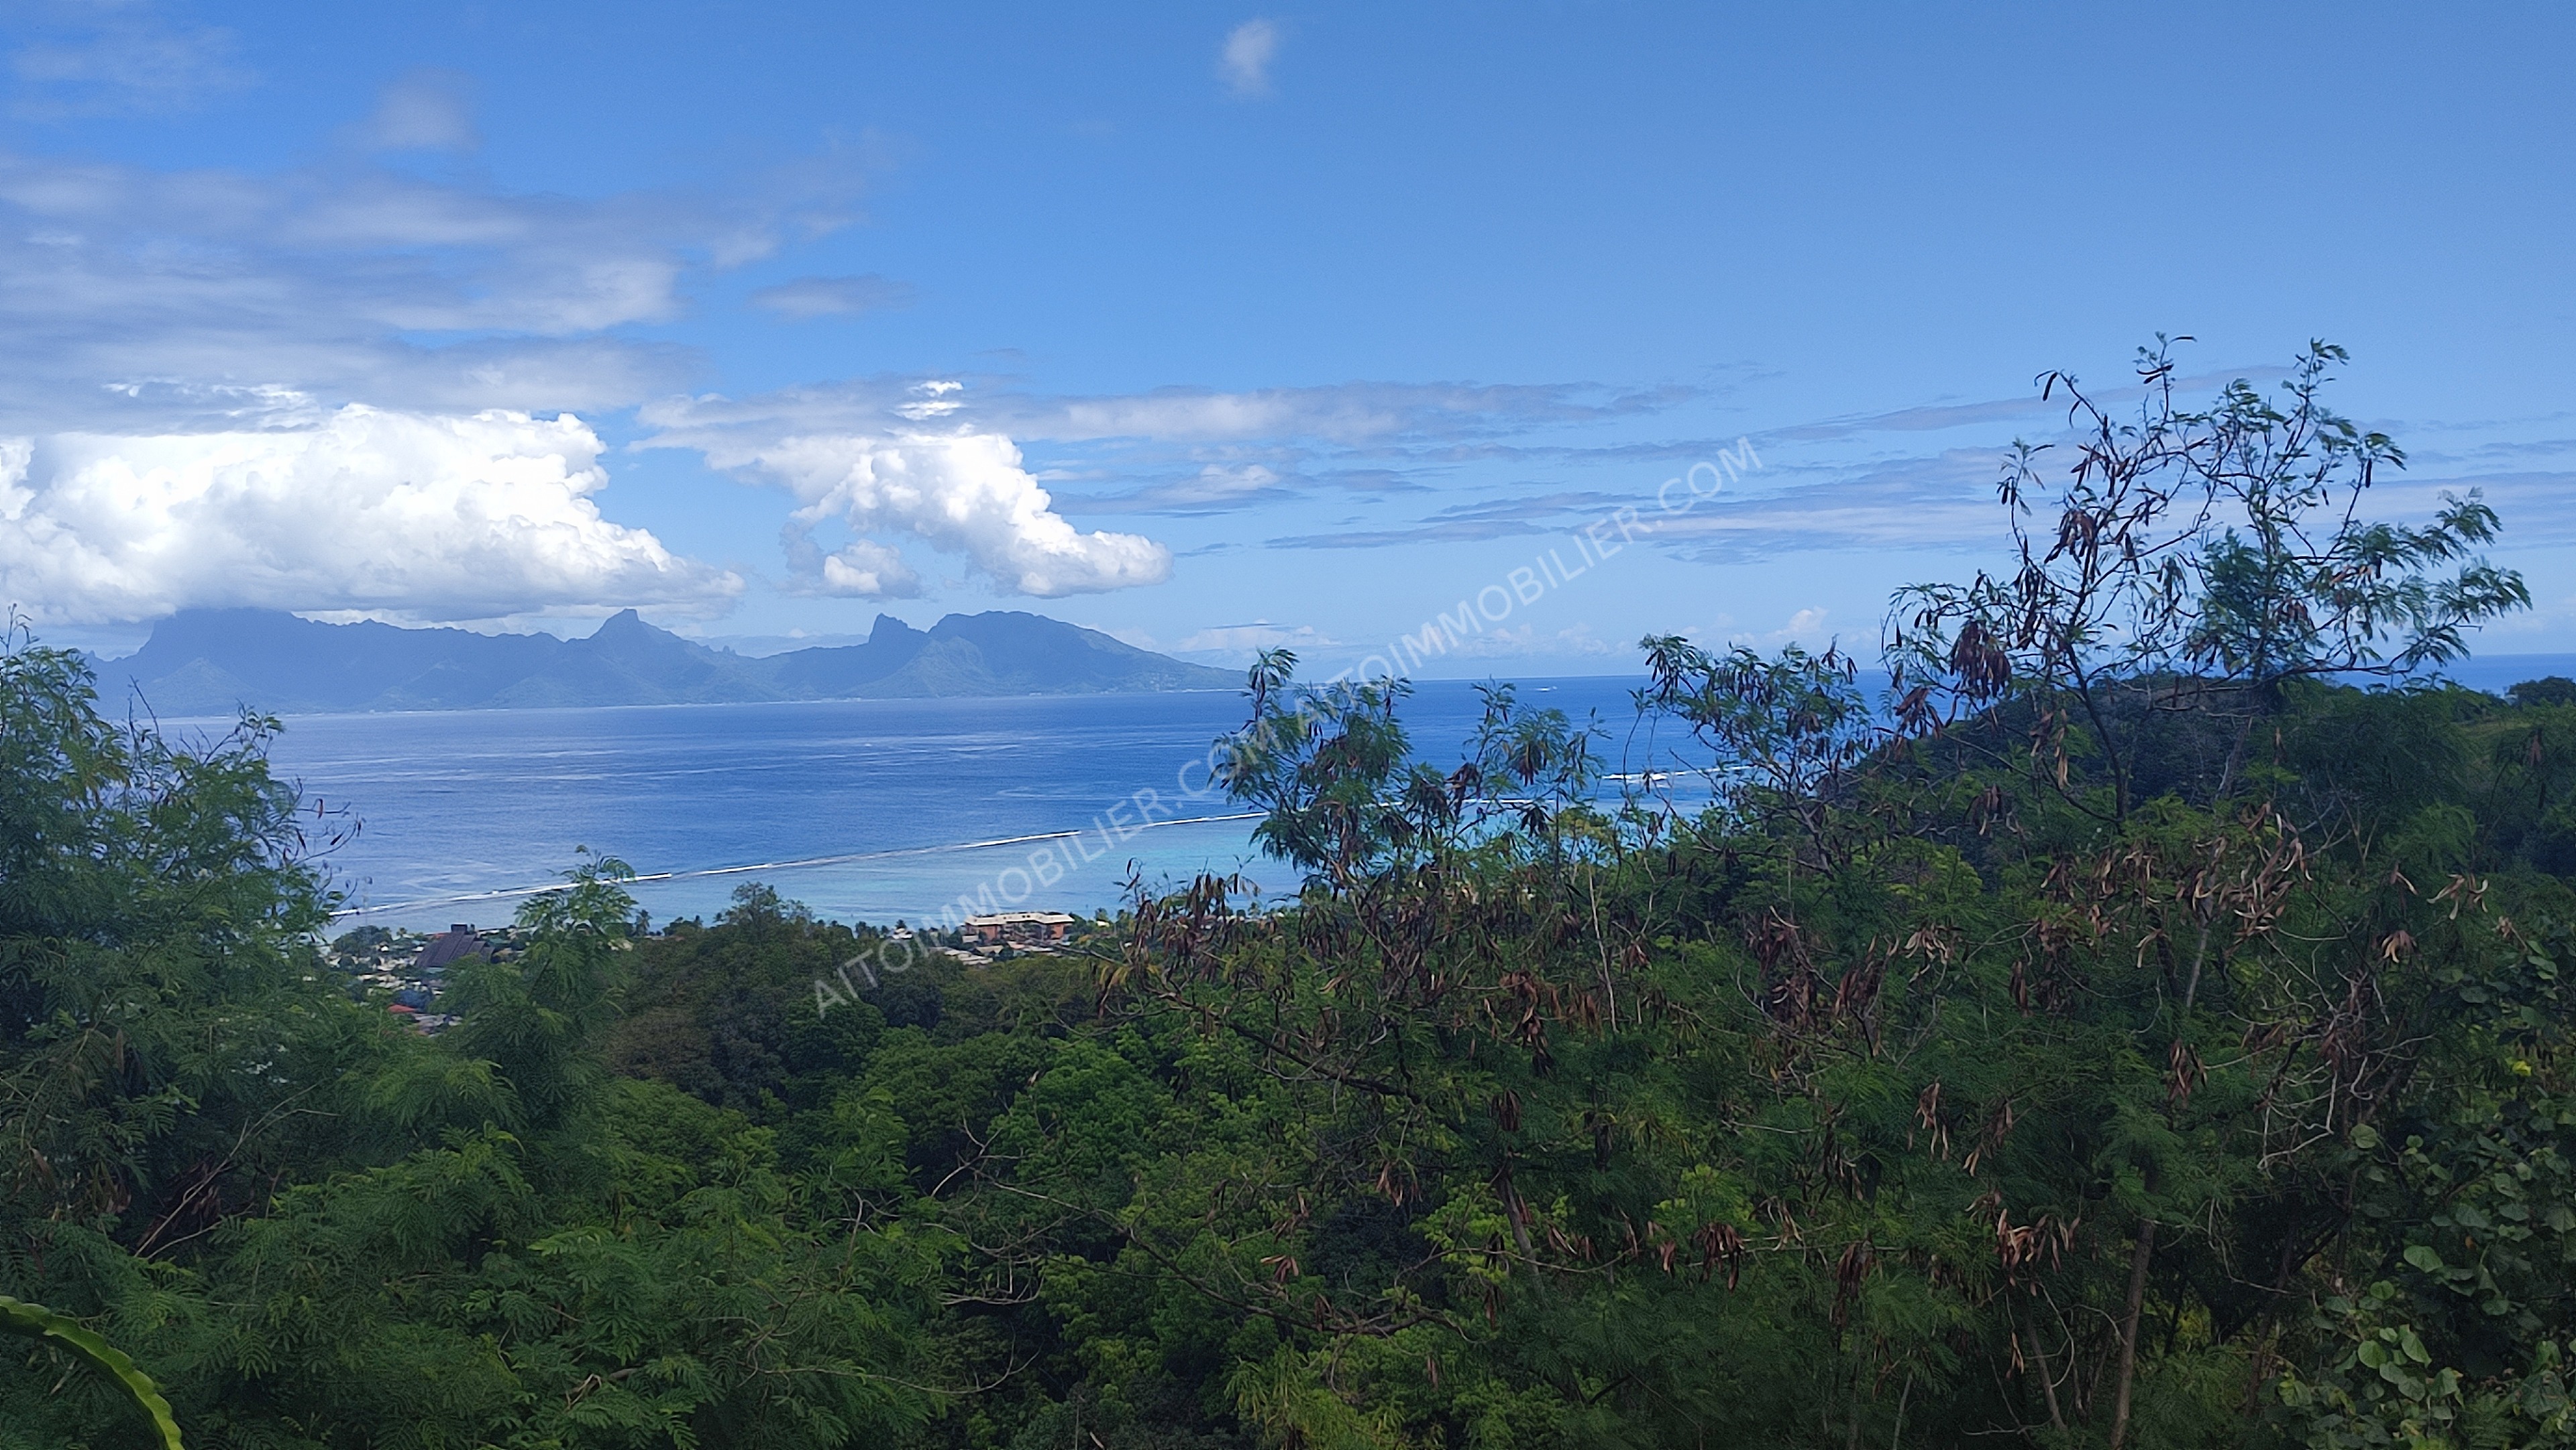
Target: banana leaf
[[35, 1321]]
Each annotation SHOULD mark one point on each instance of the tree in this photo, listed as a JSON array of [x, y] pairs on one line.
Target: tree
[[538, 1019], [2191, 548]]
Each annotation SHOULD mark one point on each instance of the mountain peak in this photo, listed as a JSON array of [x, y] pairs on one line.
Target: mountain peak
[[889, 629]]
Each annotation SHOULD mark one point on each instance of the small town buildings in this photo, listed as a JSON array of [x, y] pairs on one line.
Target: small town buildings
[[1018, 928]]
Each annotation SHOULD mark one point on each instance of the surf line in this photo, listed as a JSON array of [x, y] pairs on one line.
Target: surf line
[[844, 859]]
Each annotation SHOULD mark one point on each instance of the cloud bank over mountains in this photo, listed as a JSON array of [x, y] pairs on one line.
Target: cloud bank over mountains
[[329, 391], [404, 515]]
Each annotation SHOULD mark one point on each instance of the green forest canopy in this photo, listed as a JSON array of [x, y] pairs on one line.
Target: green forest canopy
[[2132, 1032]]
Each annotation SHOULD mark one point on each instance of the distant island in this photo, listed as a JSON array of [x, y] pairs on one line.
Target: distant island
[[213, 661]]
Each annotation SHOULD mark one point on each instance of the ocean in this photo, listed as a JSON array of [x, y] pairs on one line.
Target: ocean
[[864, 810]]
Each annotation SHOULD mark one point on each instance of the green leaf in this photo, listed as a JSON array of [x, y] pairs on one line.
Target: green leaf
[[35, 1321], [2423, 1257]]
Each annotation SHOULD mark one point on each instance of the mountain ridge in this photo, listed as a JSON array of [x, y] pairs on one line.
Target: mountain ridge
[[212, 661]]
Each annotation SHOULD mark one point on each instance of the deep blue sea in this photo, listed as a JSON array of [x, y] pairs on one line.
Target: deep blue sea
[[863, 810]]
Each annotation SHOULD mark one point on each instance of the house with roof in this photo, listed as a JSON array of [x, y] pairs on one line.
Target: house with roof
[[460, 942]]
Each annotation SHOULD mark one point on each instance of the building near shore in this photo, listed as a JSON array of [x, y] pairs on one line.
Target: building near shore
[[1018, 928]]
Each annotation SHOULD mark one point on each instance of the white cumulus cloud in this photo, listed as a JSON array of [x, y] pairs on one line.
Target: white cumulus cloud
[[1245, 60], [407, 515], [961, 493], [869, 570], [1804, 627]]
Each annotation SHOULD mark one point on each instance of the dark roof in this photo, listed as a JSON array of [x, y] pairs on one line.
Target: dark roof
[[448, 948]]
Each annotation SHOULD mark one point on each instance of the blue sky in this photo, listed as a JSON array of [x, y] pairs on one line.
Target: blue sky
[[1215, 327]]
